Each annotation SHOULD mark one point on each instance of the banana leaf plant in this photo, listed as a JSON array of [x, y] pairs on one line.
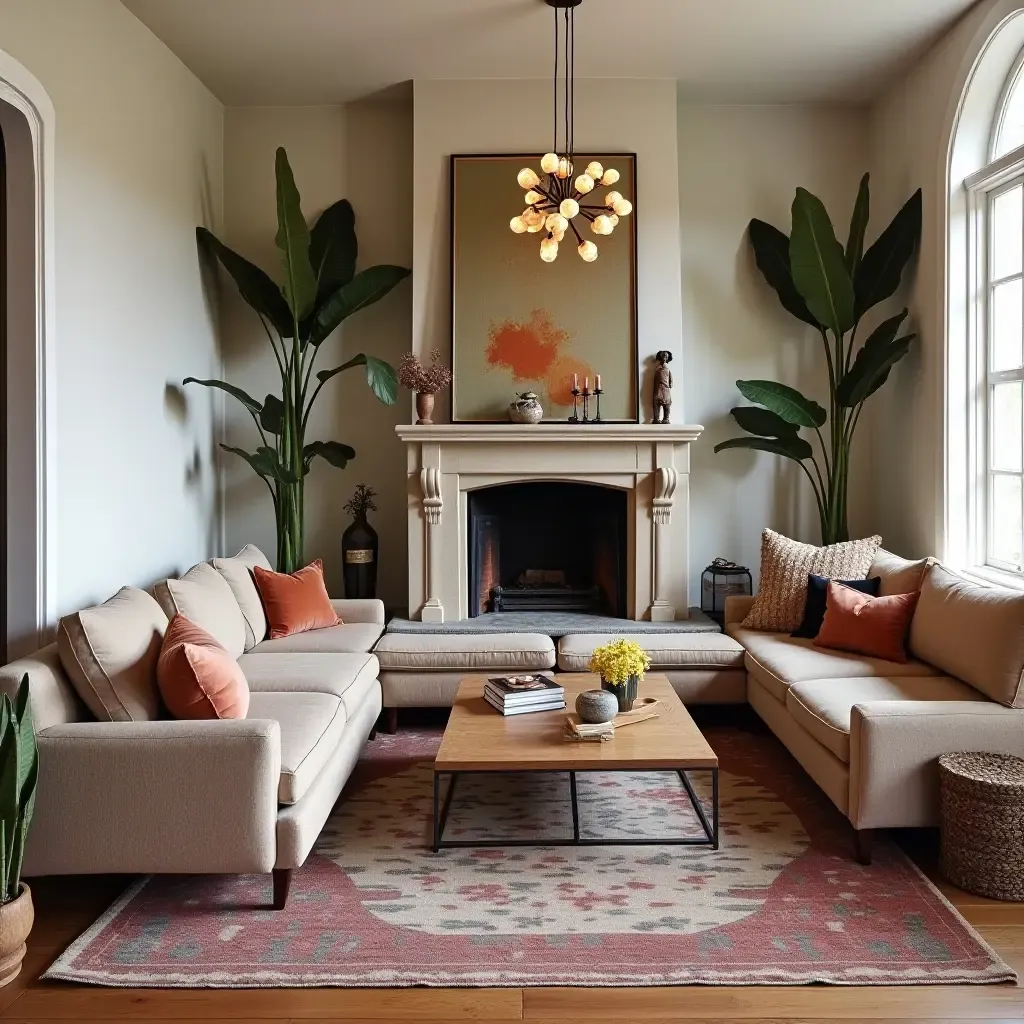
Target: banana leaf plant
[[832, 289], [320, 290]]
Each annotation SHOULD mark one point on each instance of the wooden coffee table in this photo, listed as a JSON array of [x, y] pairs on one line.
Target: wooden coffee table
[[478, 739]]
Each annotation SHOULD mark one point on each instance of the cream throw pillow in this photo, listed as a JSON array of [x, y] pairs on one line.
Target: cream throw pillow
[[898, 575], [238, 573], [110, 653], [785, 566], [203, 596]]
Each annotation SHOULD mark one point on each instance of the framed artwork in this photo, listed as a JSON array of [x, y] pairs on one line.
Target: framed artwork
[[520, 324]]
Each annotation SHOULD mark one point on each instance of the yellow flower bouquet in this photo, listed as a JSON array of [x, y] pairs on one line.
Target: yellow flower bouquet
[[622, 665]]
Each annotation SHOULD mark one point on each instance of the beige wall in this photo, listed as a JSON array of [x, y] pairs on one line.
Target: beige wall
[[735, 163], [137, 165], [361, 151]]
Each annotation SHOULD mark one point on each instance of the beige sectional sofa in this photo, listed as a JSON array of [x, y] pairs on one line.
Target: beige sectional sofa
[[141, 794], [868, 731]]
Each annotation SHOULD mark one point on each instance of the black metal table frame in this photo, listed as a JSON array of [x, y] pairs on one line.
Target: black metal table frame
[[710, 827]]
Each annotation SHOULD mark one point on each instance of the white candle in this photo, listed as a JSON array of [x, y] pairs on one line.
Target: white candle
[[575, 382], [586, 383], [598, 380]]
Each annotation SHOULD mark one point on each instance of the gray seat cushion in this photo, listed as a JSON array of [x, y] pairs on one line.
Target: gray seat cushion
[[345, 638], [311, 728], [824, 706], [666, 650], [439, 652]]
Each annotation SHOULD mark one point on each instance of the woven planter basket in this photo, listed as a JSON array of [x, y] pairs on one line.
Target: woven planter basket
[[982, 820]]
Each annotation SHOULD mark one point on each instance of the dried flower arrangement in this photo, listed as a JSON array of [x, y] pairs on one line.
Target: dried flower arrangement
[[361, 502], [412, 374]]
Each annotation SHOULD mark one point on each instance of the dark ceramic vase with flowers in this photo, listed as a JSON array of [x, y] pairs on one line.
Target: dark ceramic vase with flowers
[[359, 545]]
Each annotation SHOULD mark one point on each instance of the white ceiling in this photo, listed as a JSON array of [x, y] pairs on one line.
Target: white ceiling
[[328, 51]]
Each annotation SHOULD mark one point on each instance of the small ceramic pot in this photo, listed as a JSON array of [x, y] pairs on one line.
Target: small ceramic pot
[[625, 693], [526, 409], [16, 920], [596, 706], [424, 406]]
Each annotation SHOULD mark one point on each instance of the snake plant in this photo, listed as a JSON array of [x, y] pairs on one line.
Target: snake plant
[[19, 769], [830, 288], [321, 289]]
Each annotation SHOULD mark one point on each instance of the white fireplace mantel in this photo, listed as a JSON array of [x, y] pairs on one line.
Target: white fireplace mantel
[[650, 462]]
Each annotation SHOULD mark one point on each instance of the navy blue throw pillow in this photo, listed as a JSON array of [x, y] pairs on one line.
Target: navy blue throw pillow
[[817, 592]]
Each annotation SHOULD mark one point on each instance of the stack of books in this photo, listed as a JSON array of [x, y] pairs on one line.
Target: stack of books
[[518, 695]]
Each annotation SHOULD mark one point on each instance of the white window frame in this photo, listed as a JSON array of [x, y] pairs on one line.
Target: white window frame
[[983, 188]]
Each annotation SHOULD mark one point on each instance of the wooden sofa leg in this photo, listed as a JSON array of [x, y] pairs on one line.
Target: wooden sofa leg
[[392, 720], [373, 732], [282, 883], [862, 845]]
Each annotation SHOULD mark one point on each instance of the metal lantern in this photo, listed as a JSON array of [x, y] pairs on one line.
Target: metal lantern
[[722, 579]]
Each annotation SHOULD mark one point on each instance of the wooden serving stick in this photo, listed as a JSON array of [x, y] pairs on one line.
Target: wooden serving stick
[[644, 708]]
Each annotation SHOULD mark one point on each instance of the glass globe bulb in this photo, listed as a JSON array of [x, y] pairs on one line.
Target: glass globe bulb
[[564, 167], [602, 225], [594, 169], [588, 251], [533, 197], [569, 208], [623, 207], [609, 177], [558, 235], [527, 177], [533, 217], [534, 228], [518, 225], [549, 163], [556, 222], [549, 250], [584, 183], [611, 198], [614, 220]]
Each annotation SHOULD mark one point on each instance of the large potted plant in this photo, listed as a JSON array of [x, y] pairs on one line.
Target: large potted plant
[[321, 289], [831, 288], [19, 769]]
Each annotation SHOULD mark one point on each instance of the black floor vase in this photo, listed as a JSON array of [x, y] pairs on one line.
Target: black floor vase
[[359, 553]]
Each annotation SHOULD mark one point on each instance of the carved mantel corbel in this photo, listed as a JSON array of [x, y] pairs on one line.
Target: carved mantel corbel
[[430, 483], [666, 479]]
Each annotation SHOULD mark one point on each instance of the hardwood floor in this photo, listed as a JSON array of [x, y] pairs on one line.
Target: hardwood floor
[[65, 907]]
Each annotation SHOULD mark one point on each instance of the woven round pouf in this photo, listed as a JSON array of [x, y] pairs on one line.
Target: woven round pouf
[[982, 822]]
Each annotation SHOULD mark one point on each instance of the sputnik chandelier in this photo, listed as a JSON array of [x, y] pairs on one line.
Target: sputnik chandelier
[[553, 203]]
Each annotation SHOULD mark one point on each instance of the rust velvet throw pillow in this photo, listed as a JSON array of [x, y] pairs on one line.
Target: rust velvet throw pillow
[[197, 677], [295, 602], [874, 626]]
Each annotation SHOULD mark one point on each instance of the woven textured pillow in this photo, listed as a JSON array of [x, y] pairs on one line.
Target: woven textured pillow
[[785, 566]]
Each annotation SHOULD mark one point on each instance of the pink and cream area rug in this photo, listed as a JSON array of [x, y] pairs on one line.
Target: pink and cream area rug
[[781, 903]]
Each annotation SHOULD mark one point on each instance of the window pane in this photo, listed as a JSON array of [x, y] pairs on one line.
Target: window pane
[[1011, 128], [1007, 218], [1007, 442], [1006, 325], [1006, 519]]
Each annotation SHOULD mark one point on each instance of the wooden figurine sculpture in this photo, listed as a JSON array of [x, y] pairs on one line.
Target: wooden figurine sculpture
[[662, 388]]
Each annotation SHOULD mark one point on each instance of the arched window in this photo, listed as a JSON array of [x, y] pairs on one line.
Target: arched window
[[995, 196]]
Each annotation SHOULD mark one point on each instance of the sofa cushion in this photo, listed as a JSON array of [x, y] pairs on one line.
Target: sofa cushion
[[473, 652], [311, 728], [198, 679], [778, 660], [973, 632], [336, 674], [345, 638], [898, 575], [295, 601], [785, 566], [666, 650], [862, 624], [110, 652], [237, 572], [823, 706], [203, 596]]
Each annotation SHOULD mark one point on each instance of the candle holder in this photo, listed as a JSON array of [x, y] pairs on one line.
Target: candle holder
[[598, 392], [575, 417], [586, 405]]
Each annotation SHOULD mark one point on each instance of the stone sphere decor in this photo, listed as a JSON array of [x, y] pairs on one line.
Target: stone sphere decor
[[597, 706]]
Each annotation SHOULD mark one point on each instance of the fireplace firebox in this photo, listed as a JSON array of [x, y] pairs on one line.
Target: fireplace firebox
[[547, 546]]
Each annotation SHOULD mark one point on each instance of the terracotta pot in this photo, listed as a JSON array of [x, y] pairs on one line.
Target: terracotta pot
[[16, 920], [424, 406]]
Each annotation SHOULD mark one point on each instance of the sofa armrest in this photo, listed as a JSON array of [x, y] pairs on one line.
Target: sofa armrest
[[894, 750], [168, 796], [359, 610], [737, 607]]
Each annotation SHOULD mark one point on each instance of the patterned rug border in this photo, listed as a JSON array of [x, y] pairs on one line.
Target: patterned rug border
[[999, 971]]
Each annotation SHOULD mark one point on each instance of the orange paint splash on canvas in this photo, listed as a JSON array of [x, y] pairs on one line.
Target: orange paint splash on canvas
[[528, 349], [559, 378]]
